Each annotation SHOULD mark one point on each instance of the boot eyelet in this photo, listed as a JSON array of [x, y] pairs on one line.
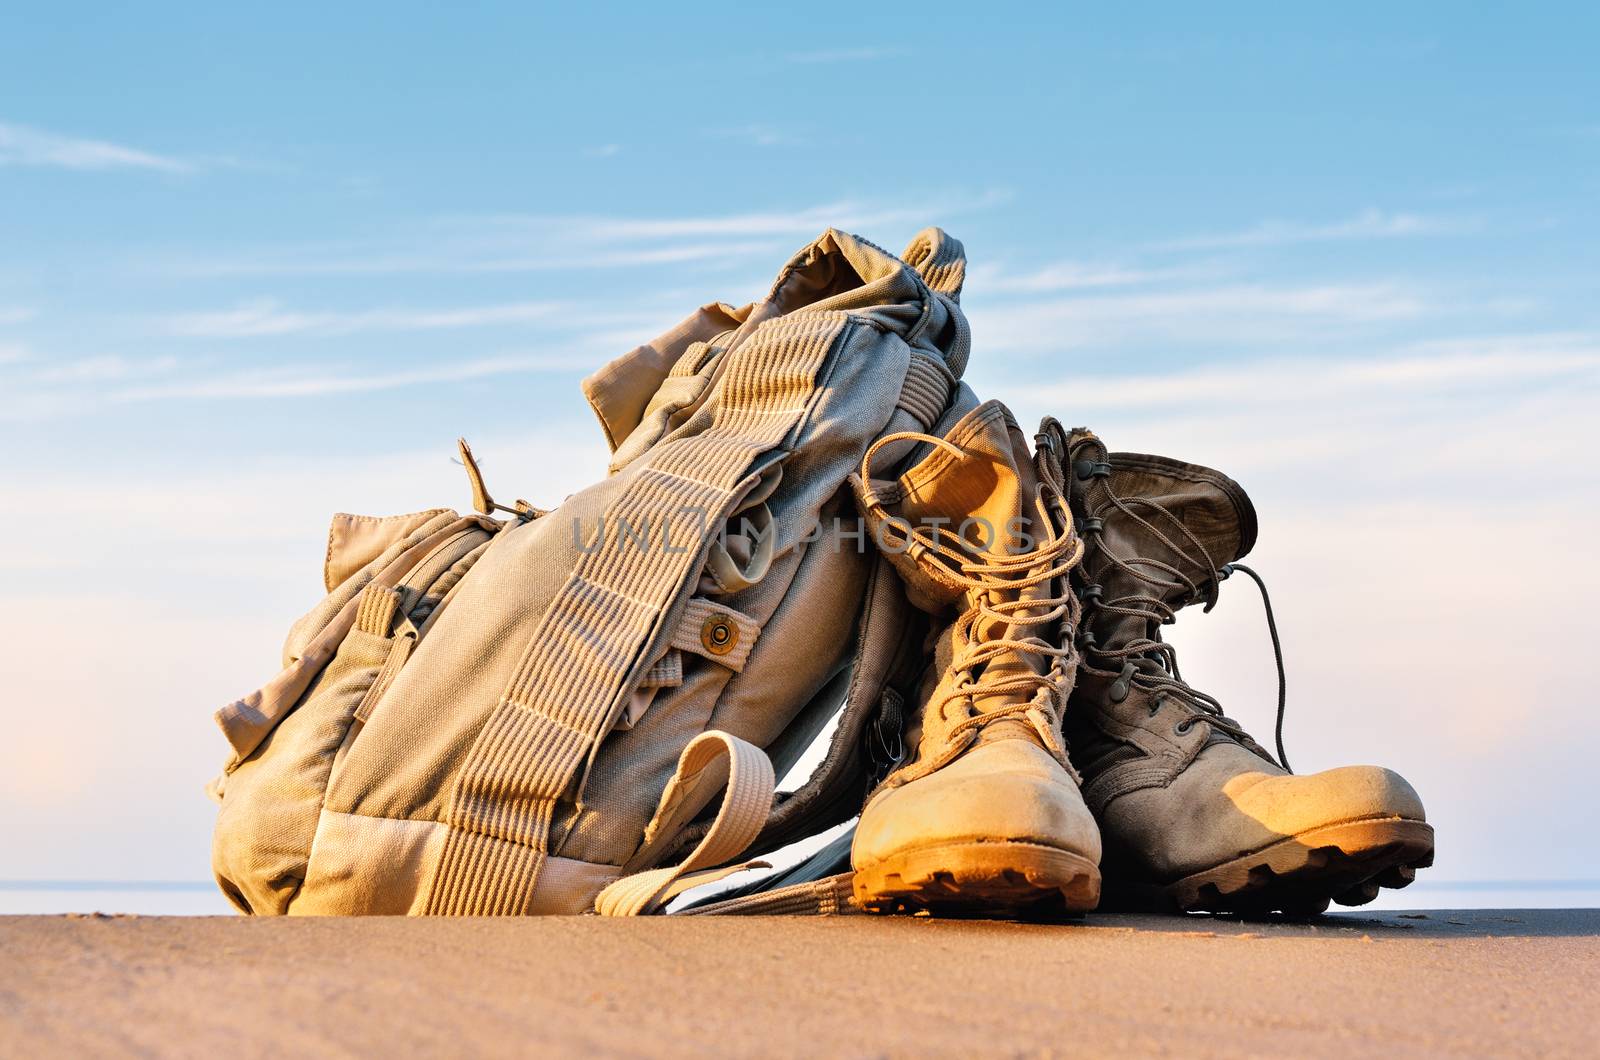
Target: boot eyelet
[[1091, 594], [1092, 525], [1183, 727]]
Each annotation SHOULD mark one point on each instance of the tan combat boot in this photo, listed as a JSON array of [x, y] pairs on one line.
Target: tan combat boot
[[986, 815], [1195, 814]]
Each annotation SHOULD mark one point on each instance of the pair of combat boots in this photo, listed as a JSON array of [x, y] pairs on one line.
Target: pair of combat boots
[[1056, 739]]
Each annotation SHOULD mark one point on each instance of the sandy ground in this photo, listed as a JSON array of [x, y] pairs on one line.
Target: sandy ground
[[1501, 982]]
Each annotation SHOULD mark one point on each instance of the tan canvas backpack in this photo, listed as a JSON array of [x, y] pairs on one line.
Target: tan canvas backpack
[[534, 713]]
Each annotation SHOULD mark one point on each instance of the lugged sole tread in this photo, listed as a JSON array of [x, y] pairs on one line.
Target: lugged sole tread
[[1297, 876], [980, 878]]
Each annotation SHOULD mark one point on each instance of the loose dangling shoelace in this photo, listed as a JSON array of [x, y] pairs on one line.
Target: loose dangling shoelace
[[991, 579], [1162, 676], [1277, 657]]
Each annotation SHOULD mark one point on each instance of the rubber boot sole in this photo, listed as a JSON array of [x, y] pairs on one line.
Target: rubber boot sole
[[994, 878], [1298, 876]]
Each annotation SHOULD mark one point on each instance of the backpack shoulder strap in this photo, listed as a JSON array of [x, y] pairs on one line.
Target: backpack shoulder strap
[[589, 646]]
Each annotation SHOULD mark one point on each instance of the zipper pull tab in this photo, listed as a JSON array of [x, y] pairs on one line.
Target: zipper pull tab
[[480, 493]]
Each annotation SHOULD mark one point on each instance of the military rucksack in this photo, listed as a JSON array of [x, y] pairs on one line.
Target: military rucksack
[[532, 713]]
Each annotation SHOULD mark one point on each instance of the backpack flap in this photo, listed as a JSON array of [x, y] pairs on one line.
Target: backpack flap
[[620, 392], [356, 540]]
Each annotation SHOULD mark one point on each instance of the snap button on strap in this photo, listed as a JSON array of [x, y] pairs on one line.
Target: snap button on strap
[[719, 635]]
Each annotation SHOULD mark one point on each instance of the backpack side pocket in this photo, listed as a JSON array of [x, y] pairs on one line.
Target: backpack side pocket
[[284, 748]]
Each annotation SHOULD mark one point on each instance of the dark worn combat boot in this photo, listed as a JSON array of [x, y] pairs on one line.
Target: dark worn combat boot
[[1195, 815], [986, 816]]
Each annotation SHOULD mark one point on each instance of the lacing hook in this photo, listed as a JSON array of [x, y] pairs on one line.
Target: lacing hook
[[1122, 685], [1213, 590], [1085, 469]]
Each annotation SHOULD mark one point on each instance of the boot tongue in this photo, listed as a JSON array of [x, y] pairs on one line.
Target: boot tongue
[[984, 490], [1198, 520], [989, 496]]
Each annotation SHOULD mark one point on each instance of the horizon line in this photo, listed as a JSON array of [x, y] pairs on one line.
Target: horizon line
[[208, 885]]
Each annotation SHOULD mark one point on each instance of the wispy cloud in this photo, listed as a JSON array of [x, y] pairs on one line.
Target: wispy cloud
[[95, 384], [1369, 224], [757, 134], [809, 221], [603, 151], [315, 382], [105, 368], [76, 387], [843, 55], [806, 221], [465, 256], [38, 387], [510, 243], [15, 315], [1433, 368], [1236, 312], [267, 317], [21, 145], [1065, 276]]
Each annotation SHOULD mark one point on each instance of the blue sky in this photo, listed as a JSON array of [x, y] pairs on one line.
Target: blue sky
[[255, 268]]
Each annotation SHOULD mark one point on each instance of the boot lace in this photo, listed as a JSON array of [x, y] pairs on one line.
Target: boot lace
[[996, 584], [1149, 661]]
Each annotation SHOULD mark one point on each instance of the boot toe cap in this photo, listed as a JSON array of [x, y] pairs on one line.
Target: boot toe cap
[[1292, 804], [1005, 791], [1229, 803]]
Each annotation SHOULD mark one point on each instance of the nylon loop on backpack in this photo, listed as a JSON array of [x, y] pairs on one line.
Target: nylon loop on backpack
[[713, 760], [375, 613]]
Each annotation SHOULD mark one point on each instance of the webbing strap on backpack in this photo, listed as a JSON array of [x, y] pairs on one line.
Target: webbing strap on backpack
[[576, 670], [889, 639], [830, 896], [712, 762]]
